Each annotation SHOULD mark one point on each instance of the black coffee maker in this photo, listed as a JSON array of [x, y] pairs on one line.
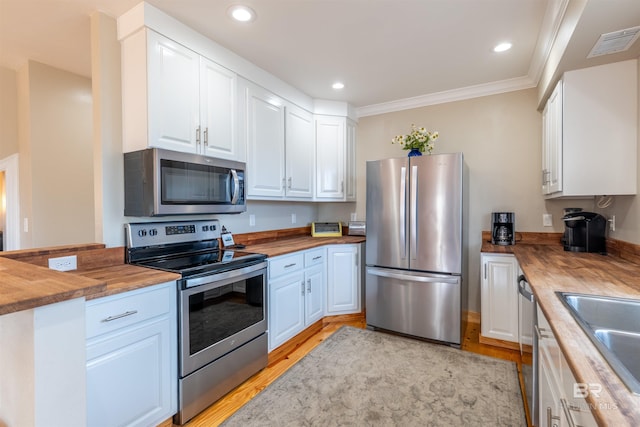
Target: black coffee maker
[[503, 228], [584, 232]]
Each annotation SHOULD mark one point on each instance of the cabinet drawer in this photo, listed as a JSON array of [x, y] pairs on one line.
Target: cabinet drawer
[[315, 257], [114, 312], [285, 264]]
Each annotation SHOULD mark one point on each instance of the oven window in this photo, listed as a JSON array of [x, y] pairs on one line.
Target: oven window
[[189, 183], [221, 312]]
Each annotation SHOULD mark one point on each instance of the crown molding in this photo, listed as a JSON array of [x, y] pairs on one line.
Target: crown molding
[[460, 94]]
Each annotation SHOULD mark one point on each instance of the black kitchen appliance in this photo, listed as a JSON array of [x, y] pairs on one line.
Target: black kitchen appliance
[[584, 232], [222, 310], [503, 228]]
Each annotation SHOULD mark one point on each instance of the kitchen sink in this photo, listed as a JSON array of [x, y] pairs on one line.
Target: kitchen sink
[[613, 325]]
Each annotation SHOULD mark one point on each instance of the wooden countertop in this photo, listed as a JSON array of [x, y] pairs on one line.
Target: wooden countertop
[[548, 269], [299, 243], [25, 286], [124, 278]]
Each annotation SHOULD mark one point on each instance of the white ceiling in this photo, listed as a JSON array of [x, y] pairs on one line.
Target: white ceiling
[[383, 50]]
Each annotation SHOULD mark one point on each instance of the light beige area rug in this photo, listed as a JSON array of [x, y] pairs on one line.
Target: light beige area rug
[[359, 377]]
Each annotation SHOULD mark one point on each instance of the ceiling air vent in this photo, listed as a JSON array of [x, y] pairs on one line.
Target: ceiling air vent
[[618, 41]]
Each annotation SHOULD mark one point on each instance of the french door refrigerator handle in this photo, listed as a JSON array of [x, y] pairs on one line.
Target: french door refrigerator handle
[[426, 279], [413, 213], [403, 223]]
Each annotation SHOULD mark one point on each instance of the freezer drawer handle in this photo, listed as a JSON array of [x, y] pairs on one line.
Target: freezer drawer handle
[[430, 279]]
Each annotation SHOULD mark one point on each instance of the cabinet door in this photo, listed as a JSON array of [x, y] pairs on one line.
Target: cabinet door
[[127, 376], [314, 298], [330, 154], [549, 414], [173, 94], [552, 143], [343, 279], [286, 308], [265, 143], [499, 297], [300, 158], [350, 171], [218, 112]]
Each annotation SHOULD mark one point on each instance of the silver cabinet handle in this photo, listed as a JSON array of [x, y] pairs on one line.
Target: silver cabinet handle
[[316, 257], [551, 418], [206, 136], [539, 332], [302, 287], [485, 271], [120, 316], [290, 265], [198, 135], [309, 285], [289, 186], [567, 412]]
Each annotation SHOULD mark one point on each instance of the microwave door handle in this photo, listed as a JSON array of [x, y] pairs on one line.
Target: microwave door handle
[[236, 187]]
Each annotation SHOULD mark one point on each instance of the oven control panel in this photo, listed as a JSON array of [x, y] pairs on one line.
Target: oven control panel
[[162, 233]]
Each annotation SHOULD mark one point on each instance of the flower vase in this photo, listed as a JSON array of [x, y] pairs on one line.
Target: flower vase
[[414, 152]]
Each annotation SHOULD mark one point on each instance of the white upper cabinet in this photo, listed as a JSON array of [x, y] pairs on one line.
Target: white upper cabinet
[[590, 126], [280, 145], [330, 157], [176, 99], [299, 152]]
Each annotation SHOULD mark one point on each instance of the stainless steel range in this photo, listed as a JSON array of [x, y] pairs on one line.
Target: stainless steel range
[[222, 323]]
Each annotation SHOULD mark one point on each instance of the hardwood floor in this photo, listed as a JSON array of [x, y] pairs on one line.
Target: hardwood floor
[[222, 409]]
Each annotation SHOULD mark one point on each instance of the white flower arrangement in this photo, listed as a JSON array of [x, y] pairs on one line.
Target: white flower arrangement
[[419, 139]]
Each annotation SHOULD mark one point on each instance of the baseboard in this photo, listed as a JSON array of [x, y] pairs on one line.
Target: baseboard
[[471, 316], [288, 347], [499, 343]]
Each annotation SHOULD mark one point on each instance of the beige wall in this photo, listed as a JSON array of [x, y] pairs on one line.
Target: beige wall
[[500, 137], [8, 113], [56, 156]]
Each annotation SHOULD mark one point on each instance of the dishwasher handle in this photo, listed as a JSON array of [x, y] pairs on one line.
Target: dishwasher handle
[[523, 290]]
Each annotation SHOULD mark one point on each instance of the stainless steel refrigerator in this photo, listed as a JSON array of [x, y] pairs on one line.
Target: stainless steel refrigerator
[[414, 246]]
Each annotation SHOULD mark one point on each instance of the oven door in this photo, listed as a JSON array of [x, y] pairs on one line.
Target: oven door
[[219, 313]]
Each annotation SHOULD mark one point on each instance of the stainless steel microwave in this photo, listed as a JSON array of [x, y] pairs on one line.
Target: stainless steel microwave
[[163, 182]]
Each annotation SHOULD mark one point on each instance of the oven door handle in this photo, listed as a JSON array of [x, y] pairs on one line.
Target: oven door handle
[[522, 290], [220, 279]]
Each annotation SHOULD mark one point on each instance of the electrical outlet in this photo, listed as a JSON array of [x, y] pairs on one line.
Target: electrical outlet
[[252, 220], [293, 218], [64, 263], [353, 216], [547, 220]]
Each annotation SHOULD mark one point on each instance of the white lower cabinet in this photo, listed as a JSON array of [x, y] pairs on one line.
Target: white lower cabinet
[[296, 293], [559, 404], [132, 357], [343, 279], [499, 297]]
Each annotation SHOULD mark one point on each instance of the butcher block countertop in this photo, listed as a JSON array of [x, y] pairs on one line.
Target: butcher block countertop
[[25, 286], [288, 245], [125, 277], [549, 269], [26, 282]]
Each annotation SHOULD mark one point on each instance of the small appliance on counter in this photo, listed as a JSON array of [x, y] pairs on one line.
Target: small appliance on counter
[[503, 228], [584, 232], [357, 228]]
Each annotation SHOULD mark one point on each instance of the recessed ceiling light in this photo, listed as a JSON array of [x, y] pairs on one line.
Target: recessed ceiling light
[[502, 47], [338, 85], [242, 13]]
